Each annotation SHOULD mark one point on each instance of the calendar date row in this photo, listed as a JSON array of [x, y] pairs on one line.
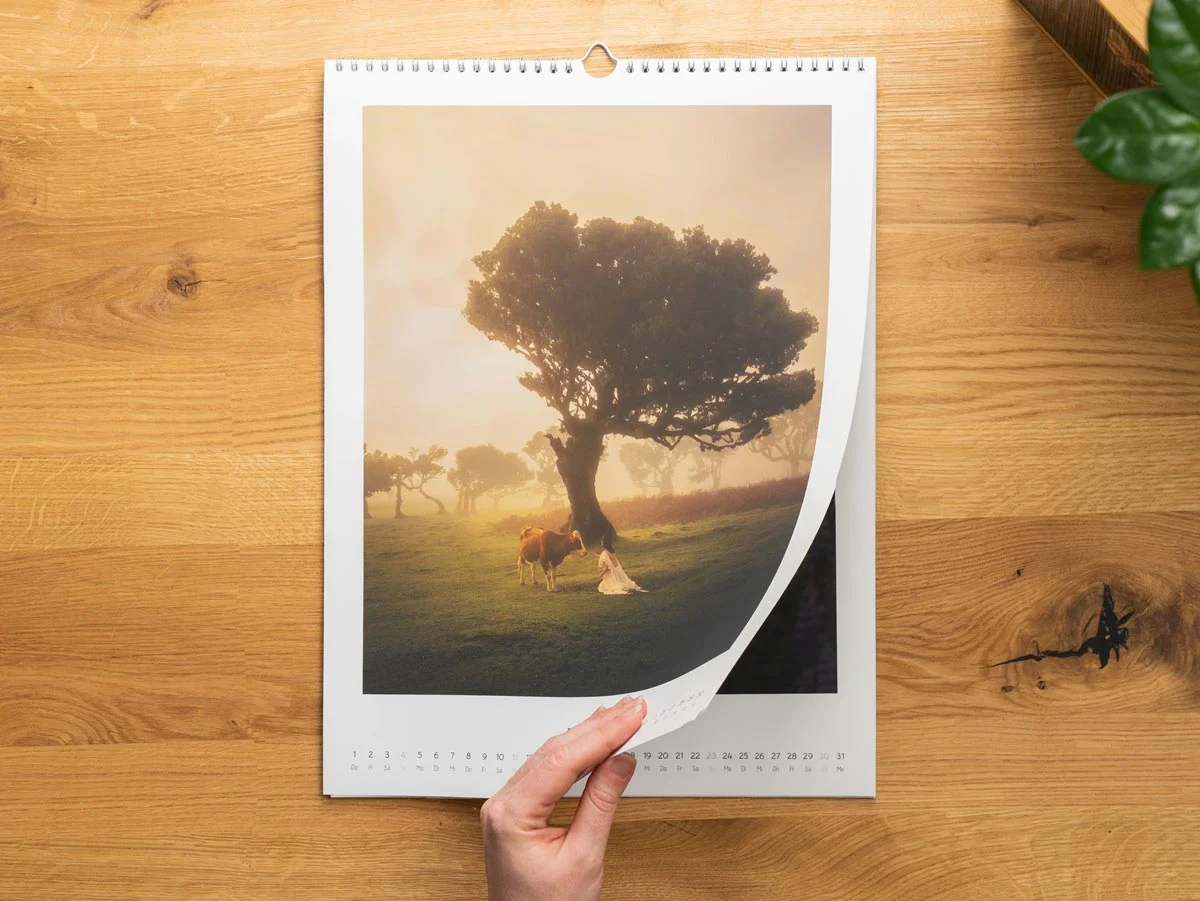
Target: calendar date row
[[501, 756], [681, 761]]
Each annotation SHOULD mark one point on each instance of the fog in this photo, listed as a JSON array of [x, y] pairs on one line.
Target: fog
[[441, 184]]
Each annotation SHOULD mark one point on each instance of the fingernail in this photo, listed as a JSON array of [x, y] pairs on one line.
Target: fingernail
[[624, 765], [625, 702]]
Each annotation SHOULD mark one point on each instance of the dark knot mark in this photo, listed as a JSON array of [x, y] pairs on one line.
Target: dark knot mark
[[150, 7], [1111, 635], [185, 285]]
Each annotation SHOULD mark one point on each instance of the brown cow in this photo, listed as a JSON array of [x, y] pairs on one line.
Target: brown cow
[[549, 549]]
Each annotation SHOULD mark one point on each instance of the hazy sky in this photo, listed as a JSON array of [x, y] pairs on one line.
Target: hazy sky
[[443, 183]]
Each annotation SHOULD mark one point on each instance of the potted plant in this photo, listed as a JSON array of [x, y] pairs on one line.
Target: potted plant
[[1152, 136]]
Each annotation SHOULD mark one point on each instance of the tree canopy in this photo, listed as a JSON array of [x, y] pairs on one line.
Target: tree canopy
[[483, 469], [630, 329], [383, 472], [378, 469], [793, 436], [633, 330], [650, 465], [419, 467]]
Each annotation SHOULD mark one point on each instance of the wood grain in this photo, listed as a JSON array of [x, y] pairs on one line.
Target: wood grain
[[1097, 40], [160, 471]]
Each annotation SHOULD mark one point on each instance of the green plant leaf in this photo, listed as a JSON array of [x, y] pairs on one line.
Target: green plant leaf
[[1141, 136], [1173, 33], [1194, 272], [1171, 225]]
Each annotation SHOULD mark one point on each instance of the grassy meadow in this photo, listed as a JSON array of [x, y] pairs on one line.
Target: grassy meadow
[[444, 612]]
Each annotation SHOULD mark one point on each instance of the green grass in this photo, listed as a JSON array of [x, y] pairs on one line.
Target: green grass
[[445, 614]]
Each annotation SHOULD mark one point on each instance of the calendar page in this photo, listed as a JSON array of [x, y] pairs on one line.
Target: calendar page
[[605, 347]]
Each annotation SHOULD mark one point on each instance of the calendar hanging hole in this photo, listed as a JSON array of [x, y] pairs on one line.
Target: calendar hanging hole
[[598, 62]]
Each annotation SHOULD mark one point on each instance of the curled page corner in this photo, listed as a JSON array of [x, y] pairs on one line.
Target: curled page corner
[[686, 699], [678, 703]]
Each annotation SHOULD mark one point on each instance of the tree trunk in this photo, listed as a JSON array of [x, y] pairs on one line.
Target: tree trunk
[[716, 479], [471, 499], [578, 459], [399, 503], [666, 485], [794, 463], [366, 512], [441, 507]]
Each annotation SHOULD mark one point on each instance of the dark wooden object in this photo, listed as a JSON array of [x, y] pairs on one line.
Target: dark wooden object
[[1103, 48]]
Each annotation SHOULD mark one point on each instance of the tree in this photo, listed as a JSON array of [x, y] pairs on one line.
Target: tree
[[545, 473], [793, 436], [707, 466], [415, 470], [651, 466], [378, 469], [485, 469], [632, 330], [462, 498]]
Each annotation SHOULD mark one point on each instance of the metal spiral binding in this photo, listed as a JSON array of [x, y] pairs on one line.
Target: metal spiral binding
[[668, 66]]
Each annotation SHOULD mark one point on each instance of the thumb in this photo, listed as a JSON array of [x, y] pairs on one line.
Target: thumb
[[593, 818]]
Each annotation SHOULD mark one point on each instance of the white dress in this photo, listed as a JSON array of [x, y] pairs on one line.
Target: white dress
[[612, 578]]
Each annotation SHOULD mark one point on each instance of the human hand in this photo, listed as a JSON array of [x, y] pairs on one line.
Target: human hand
[[528, 860]]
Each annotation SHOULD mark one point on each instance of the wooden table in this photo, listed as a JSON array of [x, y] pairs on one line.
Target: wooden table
[[160, 471]]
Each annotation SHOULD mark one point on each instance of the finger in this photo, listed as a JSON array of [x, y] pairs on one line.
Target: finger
[[593, 818], [562, 761], [533, 759]]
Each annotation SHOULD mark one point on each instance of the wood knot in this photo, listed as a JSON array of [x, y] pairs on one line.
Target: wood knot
[[149, 8], [184, 284]]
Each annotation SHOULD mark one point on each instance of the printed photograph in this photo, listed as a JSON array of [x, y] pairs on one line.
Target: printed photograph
[[593, 357]]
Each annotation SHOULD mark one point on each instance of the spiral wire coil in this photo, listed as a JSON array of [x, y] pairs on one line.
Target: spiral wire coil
[[645, 65]]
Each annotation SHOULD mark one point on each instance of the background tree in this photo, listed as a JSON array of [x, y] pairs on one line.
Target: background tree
[[707, 466], [632, 330], [545, 470], [651, 466], [485, 469], [793, 436], [458, 481], [378, 470], [506, 474], [415, 470]]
